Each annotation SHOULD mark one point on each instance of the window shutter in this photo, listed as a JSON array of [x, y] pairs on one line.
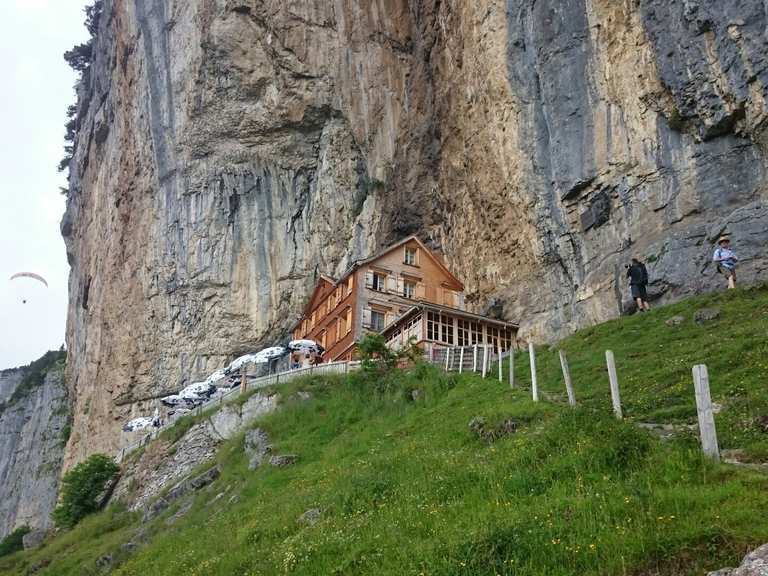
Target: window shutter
[[369, 279], [367, 318]]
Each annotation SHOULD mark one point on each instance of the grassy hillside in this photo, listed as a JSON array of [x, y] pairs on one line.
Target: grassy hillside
[[406, 488]]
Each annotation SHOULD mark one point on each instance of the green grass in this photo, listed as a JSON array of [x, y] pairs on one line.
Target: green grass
[[406, 489], [654, 363]]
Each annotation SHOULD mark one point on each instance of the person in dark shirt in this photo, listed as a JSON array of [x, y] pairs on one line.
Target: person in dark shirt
[[638, 284]]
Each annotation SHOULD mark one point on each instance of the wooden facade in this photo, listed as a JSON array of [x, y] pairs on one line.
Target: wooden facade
[[373, 294]]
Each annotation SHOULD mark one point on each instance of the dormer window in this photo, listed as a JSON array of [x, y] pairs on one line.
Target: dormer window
[[410, 256]]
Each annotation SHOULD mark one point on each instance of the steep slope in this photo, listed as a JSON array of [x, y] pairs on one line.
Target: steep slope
[[33, 422], [229, 152], [397, 474]]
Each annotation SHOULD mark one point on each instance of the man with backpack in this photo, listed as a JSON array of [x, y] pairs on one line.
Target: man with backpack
[[726, 260], [638, 284]]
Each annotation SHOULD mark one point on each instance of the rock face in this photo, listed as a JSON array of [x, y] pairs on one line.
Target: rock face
[[164, 463], [31, 449], [228, 152]]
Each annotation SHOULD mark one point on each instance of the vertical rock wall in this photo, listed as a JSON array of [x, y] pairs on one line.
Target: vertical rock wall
[[32, 428], [230, 151]]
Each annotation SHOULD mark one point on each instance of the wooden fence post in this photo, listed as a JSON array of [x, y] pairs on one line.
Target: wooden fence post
[[511, 367], [474, 359], [615, 396], [461, 359], [447, 359], [704, 409], [501, 369], [534, 382], [567, 378], [485, 360]]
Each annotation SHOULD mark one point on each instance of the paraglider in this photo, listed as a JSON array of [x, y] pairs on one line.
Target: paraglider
[[31, 275]]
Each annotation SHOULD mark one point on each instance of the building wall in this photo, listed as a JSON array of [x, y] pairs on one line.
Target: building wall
[[432, 284], [323, 318]]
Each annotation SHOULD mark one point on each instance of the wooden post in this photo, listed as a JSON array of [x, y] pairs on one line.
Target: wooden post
[[474, 359], [485, 360], [447, 359], [534, 382], [501, 369], [615, 396], [704, 408], [567, 378], [511, 367], [461, 359]]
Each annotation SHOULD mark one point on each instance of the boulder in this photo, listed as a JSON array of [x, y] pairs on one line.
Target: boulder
[[675, 320], [257, 447], [33, 539], [283, 460], [310, 517], [754, 564], [182, 488], [706, 315]]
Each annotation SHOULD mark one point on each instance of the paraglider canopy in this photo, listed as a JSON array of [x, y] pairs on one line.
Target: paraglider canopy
[[30, 275]]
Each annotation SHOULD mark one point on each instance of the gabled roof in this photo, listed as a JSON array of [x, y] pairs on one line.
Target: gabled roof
[[432, 256], [325, 279]]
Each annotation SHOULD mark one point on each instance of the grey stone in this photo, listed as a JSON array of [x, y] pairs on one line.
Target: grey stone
[[283, 460], [31, 449], [706, 315], [179, 490], [180, 513], [104, 563], [754, 564], [129, 547], [675, 320], [483, 431], [33, 539], [415, 394], [310, 517], [257, 447]]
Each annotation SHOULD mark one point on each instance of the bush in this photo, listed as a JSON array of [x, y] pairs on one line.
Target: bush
[[82, 488], [14, 542], [374, 354]]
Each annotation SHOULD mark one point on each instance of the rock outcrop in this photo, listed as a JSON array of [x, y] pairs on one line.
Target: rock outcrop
[[33, 423], [168, 461], [229, 152]]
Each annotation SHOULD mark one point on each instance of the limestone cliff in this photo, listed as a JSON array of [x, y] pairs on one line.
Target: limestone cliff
[[33, 421], [229, 151]]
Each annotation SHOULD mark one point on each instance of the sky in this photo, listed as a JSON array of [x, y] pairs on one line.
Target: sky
[[37, 87]]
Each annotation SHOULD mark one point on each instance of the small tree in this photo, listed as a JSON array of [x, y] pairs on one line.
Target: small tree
[[82, 488], [374, 354]]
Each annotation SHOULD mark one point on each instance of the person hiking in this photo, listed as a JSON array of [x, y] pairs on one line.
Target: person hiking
[[638, 284], [726, 260]]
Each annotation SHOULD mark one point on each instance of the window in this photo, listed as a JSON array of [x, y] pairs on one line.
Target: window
[[463, 329], [409, 289], [322, 338], [348, 320], [377, 320], [379, 282], [410, 256], [439, 327]]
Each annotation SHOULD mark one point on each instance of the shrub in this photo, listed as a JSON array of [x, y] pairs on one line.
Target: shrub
[[82, 488], [14, 541], [374, 354]]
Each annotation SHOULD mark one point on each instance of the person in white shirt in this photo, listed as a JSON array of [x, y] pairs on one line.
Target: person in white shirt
[[726, 260]]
